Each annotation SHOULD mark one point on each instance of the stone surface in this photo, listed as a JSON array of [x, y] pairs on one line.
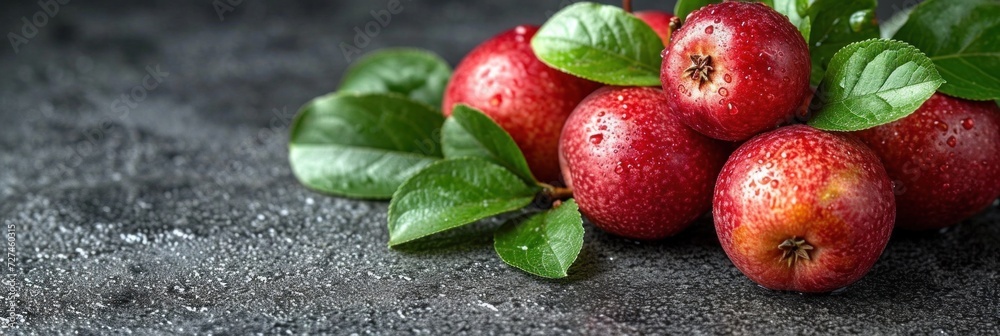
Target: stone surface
[[180, 214]]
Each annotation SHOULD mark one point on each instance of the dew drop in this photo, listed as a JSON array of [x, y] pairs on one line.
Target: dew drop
[[774, 184], [709, 29], [728, 78], [857, 20], [952, 141], [620, 98], [664, 53], [968, 123], [733, 110], [943, 168], [723, 92], [597, 138], [717, 20], [602, 128], [619, 169], [600, 114], [941, 126], [765, 180], [624, 106], [496, 100], [625, 116]]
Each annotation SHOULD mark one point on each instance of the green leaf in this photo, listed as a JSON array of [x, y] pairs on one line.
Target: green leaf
[[872, 83], [362, 145], [601, 43], [795, 10], [545, 244], [835, 24], [452, 193], [685, 7], [470, 133], [963, 40], [414, 73]]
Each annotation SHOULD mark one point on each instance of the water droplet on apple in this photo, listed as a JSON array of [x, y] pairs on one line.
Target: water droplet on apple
[[968, 123], [774, 184], [728, 78], [600, 114], [602, 128], [619, 169], [733, 110], [723, 92], [496, 100], [620, 98], [709, 29], [597, 138], [952, 142]]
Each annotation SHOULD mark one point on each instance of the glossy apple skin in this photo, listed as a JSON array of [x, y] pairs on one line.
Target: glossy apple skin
[[531, 101], [944, 160], [799, 182], [760, 70], [636, 171], [659, 21]]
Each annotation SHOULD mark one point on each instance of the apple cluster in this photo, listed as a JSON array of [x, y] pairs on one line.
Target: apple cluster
[[795, 207]]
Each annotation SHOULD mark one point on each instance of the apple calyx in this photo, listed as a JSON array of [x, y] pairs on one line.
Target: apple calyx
[[700, 68], [794, 249]]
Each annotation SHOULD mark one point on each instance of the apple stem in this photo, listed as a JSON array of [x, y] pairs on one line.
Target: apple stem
[[627, 5], [675, 24], [556, 193]]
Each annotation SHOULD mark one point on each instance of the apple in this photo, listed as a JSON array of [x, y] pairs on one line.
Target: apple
[[659, 21], [531, 101], [803, 210], [736, 69], [635, 169], [944, 160]]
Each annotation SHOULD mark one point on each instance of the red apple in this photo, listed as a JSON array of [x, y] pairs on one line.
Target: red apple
[[659, 21], [531, 101], [803, 210], [736, 69], [944, 160], [637, 171]]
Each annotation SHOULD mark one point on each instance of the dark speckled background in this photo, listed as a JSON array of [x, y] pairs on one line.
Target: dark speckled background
[[181, 216]]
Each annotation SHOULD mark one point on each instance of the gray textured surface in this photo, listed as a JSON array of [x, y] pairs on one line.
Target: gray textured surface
[[183, 216]]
